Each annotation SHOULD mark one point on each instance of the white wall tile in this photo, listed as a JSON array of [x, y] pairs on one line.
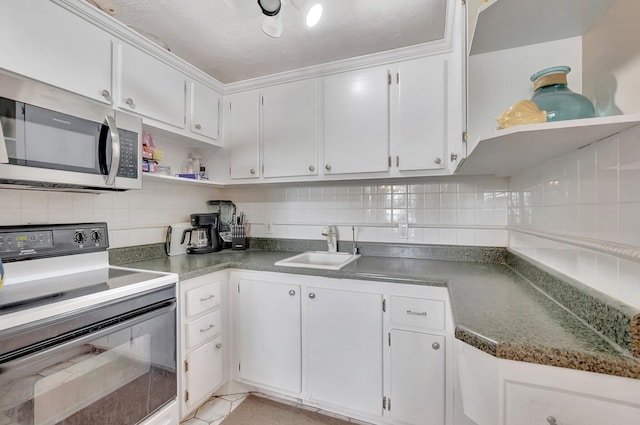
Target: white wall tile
[[596, 197]]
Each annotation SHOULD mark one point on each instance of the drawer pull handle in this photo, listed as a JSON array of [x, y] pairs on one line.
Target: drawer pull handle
[[203, 299], [551, 420], [211, 326], [415, 313]]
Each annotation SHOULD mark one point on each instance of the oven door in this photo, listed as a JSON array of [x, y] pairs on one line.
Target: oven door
[[118, 370]]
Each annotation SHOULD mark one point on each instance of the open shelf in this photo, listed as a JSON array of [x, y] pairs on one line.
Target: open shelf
[[509, 151], [179, 180], [505, 24]]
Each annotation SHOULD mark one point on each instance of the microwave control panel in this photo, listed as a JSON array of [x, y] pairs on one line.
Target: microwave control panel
[[129, 151]]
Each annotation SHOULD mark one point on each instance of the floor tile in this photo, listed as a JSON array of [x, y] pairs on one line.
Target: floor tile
[[237, 403], [213, 409]]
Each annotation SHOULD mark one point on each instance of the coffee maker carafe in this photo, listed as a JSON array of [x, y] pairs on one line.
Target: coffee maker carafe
[[203, 234]]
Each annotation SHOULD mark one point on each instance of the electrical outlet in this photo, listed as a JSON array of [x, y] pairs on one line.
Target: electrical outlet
[[268, 228], [403, 231]]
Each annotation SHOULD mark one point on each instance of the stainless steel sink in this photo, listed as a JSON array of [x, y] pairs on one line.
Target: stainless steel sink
[[319, 260]]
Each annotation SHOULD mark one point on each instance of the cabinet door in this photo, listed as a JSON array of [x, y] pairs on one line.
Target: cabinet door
[[290, 134], [204, 374], [344, 349], [270, 335], [419, 114], [356, 122], [205, 111], [244, 136], [417, 378], [150, 87], [43, 41]]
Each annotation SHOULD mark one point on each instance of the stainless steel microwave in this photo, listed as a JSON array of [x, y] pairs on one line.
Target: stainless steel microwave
[[53, 139]]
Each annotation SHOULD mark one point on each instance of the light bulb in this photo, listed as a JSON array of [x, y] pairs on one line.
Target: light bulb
[[313, 15]]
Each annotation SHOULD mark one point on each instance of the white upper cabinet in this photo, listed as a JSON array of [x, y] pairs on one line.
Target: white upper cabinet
[[204, 111], [244, 134], [356, 122], [419, 114], [150, 87], [290, 129], [43, 41]]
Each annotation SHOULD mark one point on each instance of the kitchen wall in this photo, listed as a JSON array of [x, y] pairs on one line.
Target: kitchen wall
[[579, 214], [134, 217], [451, 211]]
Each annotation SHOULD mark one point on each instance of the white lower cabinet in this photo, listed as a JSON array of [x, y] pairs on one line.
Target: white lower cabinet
[[202, 344], [526, 404], [417, 378], [344, 349], [270, 334], [337, 344], [204, 373]]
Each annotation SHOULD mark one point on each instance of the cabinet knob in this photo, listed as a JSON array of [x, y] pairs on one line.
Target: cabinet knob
[[438, 161], [312, 168], [327, 167], [198, 126], [105, 94], [551, 420], [252, 171], [292, 292], [435, 346], [312, 295], [219, 345], [129, 101]]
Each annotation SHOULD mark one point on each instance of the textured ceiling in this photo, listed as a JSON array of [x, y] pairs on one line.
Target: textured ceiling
[[224, 38]]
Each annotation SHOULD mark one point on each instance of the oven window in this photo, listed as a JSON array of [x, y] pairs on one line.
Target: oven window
[[120, 377]]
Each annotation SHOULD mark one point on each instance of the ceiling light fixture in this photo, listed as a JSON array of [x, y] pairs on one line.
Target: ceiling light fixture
[[310, 9], [272, 22]]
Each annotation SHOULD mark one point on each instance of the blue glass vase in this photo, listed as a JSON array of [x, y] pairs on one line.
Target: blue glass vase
[[553, 96]]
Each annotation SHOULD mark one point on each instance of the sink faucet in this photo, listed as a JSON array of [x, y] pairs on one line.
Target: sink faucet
[[329, 232], [353, 234]]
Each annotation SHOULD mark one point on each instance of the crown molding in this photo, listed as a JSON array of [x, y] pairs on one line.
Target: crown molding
[[119, 30], [109, 24]]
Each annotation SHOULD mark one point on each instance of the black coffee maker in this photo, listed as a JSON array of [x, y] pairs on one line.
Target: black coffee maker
[[203, 234]]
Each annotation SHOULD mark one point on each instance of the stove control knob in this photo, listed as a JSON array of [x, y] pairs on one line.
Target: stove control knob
[[95, 236], [79, 237]]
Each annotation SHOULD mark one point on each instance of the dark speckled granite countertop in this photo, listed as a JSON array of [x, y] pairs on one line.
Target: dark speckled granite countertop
[[495, 308]]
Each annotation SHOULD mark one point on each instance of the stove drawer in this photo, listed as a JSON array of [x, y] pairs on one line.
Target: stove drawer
[[202, 329], [203, 298]]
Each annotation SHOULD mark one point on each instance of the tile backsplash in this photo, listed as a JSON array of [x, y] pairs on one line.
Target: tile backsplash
[[575, 206], [134, 218], [451, 211]]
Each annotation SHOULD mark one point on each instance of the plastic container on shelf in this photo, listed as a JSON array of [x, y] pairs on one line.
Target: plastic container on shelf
[[552, 95]]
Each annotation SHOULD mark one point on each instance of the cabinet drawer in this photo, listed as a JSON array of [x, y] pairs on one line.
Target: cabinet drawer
[[202, 329], [202, 299], [417, 313], [527, 404]]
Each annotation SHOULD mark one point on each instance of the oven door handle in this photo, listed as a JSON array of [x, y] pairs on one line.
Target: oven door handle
[[115, 151], [88, 337]]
